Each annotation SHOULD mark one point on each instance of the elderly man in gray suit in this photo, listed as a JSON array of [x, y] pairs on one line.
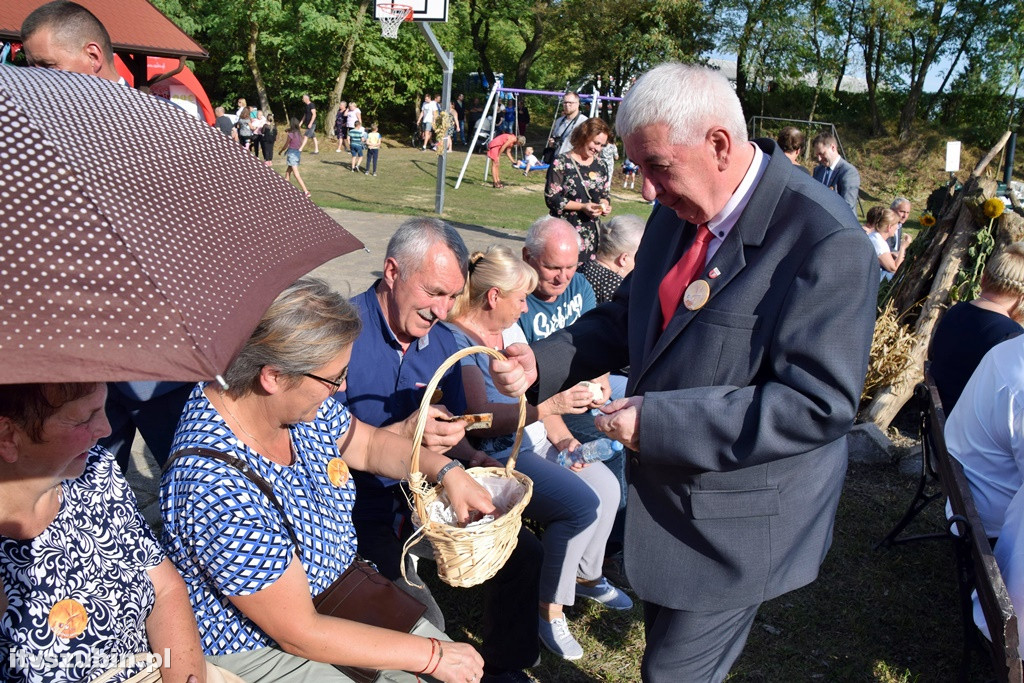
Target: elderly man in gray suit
[[746, 325]]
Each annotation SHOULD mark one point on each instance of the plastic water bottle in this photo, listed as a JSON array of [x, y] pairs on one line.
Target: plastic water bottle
[[592, 451]]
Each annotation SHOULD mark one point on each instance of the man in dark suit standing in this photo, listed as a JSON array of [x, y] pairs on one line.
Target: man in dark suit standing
[[835, 172], [746, 325]]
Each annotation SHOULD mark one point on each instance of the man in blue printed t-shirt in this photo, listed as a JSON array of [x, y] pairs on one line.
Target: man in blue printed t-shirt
[[562, 295], [393, 360]]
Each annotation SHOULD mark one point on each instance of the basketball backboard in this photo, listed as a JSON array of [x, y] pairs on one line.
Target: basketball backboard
[[423, 10]]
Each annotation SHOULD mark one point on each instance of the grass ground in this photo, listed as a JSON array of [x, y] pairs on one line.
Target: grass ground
[[406, 181], [888, 616]]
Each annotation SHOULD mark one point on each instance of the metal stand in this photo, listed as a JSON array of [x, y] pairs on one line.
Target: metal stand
[[929, 477], [447, 59]]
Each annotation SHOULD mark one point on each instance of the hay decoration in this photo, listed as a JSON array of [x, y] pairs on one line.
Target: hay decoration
[[968, 280], [442, 122], [891, 352]]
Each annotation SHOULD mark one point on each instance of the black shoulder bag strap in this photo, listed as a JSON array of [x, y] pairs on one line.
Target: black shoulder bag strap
[[247, 471], [567, 125]]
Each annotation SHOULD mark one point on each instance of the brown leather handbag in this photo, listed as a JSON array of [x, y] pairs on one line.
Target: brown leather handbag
[[360, 594]]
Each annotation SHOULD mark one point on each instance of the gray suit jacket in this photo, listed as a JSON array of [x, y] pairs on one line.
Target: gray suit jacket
[[747, 401], [844, 179]]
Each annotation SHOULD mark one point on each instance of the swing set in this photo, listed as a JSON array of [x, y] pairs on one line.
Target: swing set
[[480, 135]]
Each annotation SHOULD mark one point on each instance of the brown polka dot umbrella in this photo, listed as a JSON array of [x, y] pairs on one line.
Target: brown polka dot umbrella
[[136, 242]]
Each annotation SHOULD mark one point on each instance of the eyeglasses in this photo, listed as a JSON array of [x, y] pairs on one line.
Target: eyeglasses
[[336, 383]]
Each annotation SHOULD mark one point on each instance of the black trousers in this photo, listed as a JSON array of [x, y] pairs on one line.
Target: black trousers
[[509, 628], [156, 419]]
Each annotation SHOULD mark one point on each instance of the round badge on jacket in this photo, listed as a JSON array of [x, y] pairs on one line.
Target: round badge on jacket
[[696, 295]]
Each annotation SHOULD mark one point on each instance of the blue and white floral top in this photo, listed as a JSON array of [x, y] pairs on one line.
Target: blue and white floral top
[[225, 535], [78, 593]]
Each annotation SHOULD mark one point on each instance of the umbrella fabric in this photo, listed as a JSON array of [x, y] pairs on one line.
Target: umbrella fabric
[[135, 242]]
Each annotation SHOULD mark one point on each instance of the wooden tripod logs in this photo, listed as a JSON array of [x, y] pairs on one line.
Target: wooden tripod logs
[[888, 402], [927, 281]]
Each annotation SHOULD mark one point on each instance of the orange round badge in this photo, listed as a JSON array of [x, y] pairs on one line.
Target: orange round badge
[[337, 471], [67, 619]]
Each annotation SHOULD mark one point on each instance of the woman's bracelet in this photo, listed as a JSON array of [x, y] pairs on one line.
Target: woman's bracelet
[[440, 656], [444, 470], [433, 649]]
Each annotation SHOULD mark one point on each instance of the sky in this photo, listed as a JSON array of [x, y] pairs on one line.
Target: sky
[[931, 82]]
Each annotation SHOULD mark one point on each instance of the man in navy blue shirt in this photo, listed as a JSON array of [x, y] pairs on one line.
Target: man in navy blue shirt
[[393, 359]]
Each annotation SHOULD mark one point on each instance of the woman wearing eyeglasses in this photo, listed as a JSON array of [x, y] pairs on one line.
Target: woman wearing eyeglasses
[[250, 584]]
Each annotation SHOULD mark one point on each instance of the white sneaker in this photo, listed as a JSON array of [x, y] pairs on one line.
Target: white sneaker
[[555, 636]]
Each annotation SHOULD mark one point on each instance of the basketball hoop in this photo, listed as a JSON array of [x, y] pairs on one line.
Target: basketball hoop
[[391, 17]]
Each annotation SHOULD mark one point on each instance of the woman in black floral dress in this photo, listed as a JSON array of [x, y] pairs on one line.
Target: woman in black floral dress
[[576, 188]]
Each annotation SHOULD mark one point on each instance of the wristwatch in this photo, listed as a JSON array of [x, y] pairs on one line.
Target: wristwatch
[[444, 470]]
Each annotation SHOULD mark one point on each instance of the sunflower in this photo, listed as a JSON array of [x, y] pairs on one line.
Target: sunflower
[[926, 220], [993, 208]]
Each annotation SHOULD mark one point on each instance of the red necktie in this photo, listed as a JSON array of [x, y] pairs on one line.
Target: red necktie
[[685, 271]]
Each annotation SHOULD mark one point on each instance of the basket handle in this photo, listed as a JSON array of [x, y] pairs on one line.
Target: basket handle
[[421, 423]]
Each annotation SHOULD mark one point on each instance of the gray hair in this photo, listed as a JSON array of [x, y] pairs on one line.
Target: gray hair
[[306, 327], [537, 235], [621, 235], [688, 99], [414, 238], [899, 200]]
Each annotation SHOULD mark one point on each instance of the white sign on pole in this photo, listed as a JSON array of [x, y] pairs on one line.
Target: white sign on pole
[[953, 156]]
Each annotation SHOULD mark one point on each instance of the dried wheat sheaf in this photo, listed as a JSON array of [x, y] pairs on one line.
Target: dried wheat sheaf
[[891, 348]]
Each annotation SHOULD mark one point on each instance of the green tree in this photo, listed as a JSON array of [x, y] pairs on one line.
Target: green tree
[[614, 41], [749, 28], [933, 31]]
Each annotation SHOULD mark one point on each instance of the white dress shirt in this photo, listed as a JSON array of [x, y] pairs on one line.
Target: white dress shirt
[[985, 431], [725, 219]]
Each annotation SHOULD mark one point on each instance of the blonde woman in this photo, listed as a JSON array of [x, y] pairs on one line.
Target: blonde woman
[[885, 226], [578, 504], [970, 328]]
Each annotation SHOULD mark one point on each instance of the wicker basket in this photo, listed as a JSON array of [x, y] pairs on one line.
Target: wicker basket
[[467, 556]]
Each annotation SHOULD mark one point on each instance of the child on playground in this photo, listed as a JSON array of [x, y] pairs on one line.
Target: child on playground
[[293, 144], [530, 159], [356, 136], [629, 170], [372, 149]]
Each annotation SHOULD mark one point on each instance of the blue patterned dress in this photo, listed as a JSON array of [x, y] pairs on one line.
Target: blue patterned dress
[[96, 552], [227, 538]]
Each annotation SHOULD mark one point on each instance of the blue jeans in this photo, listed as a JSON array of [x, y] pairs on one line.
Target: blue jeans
[[578, 510]]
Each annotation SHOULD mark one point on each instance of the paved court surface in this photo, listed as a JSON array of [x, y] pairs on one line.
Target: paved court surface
[[352, 273], [349, 274]]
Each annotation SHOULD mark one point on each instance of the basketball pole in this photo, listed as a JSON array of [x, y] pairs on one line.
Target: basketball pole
[[447, 60]]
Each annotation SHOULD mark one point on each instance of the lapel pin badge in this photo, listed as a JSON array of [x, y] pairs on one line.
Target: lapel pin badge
[[715, 272], [696, 295]]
